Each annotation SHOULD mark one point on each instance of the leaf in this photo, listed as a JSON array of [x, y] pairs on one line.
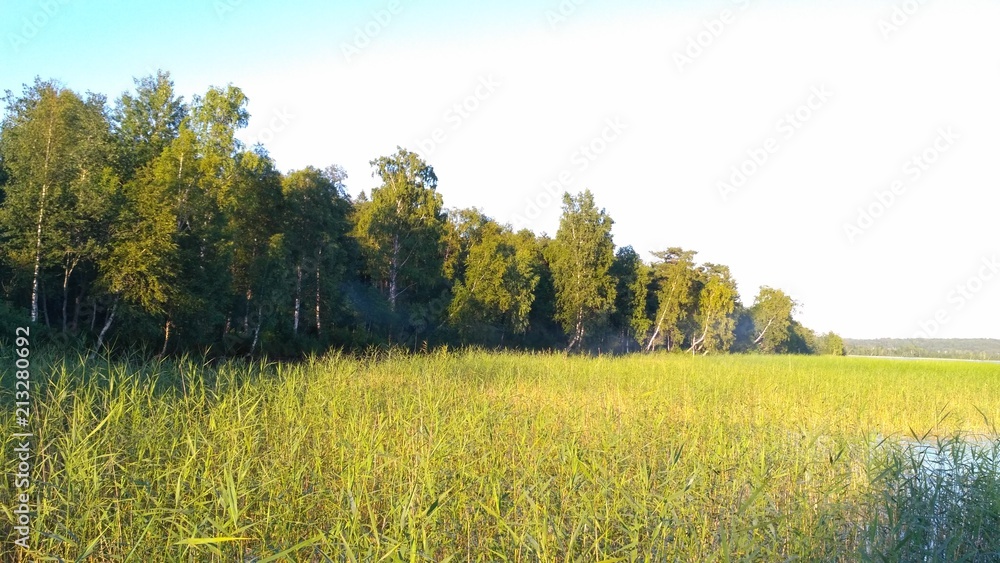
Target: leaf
[[301, 545], [204, 541]]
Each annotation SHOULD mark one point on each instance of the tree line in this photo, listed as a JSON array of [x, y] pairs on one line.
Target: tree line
[[982, 349], [144, 223]]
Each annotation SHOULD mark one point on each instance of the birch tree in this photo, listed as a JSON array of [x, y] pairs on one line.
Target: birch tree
[[316, 230], [253, 207], [139, 269], [580, 257], [717, 302], [495, 291], [205, 155], [632, 278], [772, 316], [146, 122], [54, 147], [401, 229], [674, 274]]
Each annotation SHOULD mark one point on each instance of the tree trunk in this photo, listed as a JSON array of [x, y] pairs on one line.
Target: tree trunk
[[256, 330], [659, 323], [38, 258], [45, 306], [698, 341], [763, 332], [318, 324], [67, 272], [41, 216], [246, 315], [107, 325], [166, 337], [577, 332], [656, 333], [75, 325], [394, 273], [298, 299]]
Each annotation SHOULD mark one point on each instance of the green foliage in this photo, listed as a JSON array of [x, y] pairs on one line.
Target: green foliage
[[580, 258], [215, 118], [717, 303], [831, 344], [10, 319], [674, 275], [954, 348], [463, 229], [632, 279], [55, 147], [801, 340], [254, 233], [146, 122], [317, 244], [496, 288], [142, 264], [544, 332], [149, 225], [401, 230], [772, 317]]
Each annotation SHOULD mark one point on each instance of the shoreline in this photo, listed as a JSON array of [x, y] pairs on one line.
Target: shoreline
[[925, 358]]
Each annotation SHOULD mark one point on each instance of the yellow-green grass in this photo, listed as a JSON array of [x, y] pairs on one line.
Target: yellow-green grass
[[492, 457]]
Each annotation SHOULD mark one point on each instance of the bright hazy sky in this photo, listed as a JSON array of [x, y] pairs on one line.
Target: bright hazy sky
[[651, 105]]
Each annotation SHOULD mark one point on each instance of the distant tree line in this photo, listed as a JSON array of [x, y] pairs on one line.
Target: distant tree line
[[145, 223], [983, 349]]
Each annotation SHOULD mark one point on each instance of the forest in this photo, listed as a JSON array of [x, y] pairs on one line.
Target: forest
[[142, 223]]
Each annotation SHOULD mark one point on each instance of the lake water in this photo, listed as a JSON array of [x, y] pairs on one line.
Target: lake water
[[942, 486], [927, 359]]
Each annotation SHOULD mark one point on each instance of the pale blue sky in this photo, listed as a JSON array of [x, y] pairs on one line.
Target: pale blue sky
[[619, 97]]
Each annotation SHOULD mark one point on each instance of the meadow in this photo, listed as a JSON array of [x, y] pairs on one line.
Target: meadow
[[510, 457]]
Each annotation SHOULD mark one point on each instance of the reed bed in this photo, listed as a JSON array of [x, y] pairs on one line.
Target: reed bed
[[475, 456]]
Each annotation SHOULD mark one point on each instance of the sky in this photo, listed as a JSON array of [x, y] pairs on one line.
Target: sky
[[841, 151]]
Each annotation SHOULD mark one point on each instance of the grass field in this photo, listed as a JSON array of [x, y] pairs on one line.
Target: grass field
[[486, 457]]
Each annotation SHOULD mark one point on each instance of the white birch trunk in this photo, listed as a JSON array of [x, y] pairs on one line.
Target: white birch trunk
[[318, 318], [107, 325], [298, 299], [394, 273], [41, 218]]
